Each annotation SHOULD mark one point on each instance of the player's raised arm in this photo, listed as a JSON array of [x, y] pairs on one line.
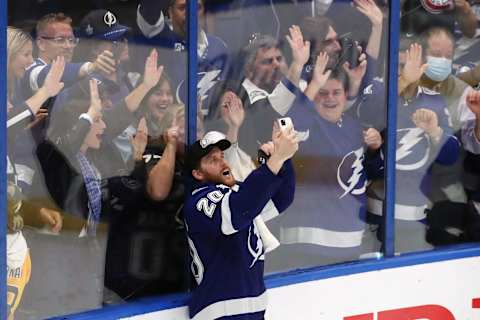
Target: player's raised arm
[[221, 199]]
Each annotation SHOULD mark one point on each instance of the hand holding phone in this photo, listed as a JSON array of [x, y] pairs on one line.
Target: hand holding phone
[[285, 124]]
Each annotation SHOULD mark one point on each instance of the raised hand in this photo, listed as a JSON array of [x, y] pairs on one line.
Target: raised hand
[[414, 67], [427, 120], [372, 138], [300, 48], [285, 144], [320, 75], [153, 72], [370, 9], [268, 148], [140, 139], [355, 75], [232, 111], [171, 135], [105, 63], [52, 85], [473, 102], [95, 109]]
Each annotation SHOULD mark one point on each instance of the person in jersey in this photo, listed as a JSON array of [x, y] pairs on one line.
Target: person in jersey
[[227, 253]]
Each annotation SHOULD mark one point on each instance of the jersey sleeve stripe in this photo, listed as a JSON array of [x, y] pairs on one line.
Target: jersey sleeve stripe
[[269, 211], [19, 117], [34, 77], [227, 226]]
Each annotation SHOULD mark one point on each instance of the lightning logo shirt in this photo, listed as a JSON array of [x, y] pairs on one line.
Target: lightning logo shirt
[[415, 152], [226, 251], [332, 169]]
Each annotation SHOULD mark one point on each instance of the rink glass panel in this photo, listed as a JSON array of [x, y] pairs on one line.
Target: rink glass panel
[[436, 177], [136, 248]]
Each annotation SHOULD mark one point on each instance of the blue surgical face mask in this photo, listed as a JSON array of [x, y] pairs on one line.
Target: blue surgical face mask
[[438, 68]]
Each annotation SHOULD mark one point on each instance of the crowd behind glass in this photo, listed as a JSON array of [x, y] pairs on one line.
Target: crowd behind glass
[[96, 135]]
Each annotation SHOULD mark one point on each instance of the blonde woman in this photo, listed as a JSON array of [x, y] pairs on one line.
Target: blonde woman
[[19, 114]]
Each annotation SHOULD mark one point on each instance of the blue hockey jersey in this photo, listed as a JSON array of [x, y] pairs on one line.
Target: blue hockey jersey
[[415, 151], [36, 73], [227, 254], [332, 168]]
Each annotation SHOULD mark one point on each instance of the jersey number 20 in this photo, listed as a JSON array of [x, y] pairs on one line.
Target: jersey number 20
[[208, 207]]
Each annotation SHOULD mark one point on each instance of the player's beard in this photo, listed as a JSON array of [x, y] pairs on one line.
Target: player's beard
[[221, 178]]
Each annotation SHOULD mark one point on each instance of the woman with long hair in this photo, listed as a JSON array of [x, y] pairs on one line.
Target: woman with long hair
[[19, 115], [19, 57]]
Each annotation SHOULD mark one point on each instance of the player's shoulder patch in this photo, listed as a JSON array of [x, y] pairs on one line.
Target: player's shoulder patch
[[207, 198]]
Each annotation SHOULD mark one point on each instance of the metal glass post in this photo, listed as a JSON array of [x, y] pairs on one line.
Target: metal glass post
[[3, 157], [389, 203], [191, 120]]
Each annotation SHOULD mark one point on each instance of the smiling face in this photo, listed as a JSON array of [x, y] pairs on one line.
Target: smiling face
[[330, 100], [93, 140], [50, 44], [214, 168], [21, 60], [159, 100]]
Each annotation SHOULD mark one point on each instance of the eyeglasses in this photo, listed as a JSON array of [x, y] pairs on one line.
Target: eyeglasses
[[61, 40]]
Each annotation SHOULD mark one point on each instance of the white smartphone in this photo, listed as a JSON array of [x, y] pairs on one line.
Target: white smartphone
[[285, 123]]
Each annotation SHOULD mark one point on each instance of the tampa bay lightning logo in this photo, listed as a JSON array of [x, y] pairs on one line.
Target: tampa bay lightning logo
[[206, 81], [109, 18], [255, 244], [413, 149], [350, 175]]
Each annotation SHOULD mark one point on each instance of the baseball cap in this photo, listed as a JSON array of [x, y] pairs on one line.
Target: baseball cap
[[202, 147], [438, 6], [102, 24]]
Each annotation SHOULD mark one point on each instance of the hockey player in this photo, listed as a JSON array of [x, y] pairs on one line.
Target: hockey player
[[227, 253]]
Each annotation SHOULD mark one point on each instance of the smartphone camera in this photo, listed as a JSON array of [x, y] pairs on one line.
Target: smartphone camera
[[262, 157], [285, 124], [349, 52]]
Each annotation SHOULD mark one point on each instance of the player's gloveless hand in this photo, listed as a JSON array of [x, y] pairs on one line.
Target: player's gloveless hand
[[286, 144]]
